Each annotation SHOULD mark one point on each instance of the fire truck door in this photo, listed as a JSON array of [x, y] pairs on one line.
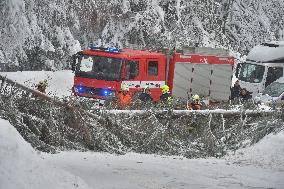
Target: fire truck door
[[131, 75], [154, 77]]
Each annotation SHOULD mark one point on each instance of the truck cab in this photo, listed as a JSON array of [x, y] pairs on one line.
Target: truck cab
[[99, 72], [264, 65]]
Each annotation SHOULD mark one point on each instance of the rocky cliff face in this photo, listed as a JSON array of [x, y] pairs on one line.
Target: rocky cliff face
[[42, 34]]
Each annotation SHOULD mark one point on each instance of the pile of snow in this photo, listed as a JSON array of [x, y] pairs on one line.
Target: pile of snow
[[267, 153], [22, 167], [59, 83]]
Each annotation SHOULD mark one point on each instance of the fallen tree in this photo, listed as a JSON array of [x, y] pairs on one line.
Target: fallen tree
[[62, 124]]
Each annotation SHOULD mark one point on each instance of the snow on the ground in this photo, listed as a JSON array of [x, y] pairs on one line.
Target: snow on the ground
[[267, 153], [22, 167], [59, 82], [149, 171]]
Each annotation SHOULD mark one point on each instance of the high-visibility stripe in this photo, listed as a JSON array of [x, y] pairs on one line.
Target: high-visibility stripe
[[141, 84]]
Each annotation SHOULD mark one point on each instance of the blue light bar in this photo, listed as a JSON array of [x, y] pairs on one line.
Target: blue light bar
[[113, 49], [106, 49]]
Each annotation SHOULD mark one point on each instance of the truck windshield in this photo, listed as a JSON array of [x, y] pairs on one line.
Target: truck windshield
[[100, 68], [275, 89], [251, 73]]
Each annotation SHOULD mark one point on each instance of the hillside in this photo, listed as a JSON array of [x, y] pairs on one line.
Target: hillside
[[37, 34]]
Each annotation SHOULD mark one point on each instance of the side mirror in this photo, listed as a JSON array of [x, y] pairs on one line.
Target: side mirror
[[75, 61], [238, 68]]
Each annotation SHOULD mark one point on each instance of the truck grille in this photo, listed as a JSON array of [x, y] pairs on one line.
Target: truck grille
[[94, 91]]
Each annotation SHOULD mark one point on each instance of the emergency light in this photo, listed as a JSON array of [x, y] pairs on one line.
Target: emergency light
[[106, 92], [80, 89], [113, 49], [106, 49]]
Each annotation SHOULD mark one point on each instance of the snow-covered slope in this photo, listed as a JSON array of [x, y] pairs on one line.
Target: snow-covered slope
[[59, 83], [22, 167], [267, 153]]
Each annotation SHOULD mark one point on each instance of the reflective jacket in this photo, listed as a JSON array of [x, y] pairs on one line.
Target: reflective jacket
[[41, 88], [124, 101], [144, 97], [195, 106], [166, 98]]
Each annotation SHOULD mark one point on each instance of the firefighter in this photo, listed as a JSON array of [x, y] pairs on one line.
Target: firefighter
[[166, 97], [245, 95], [235, 90], [195, 104], [42, 85], [145, 96], [124, 99]]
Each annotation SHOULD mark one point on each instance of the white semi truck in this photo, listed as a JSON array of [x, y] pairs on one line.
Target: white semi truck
[[264, 64]]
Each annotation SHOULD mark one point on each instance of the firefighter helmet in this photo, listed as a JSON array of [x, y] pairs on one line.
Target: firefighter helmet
[[43, 83], [124, 87], [165, 89], [195, 97]]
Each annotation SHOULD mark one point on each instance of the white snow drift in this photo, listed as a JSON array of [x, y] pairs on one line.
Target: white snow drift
[[21, 167]]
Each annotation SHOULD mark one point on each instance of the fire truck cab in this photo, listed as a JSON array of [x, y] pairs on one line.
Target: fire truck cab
[[99, 72]]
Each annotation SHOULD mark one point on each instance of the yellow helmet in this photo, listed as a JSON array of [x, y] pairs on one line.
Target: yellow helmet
[[165, 88], [43, 83], [124, 87], [195, 97]]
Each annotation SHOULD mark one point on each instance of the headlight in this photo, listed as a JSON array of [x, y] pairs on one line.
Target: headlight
[[79, 89], [107, 92]]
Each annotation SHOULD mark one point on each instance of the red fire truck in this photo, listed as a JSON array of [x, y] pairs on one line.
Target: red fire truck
[[99, 72]]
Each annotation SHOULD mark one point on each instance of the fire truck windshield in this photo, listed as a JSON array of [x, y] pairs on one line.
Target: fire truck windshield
[[100, 68], [251, 73]]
